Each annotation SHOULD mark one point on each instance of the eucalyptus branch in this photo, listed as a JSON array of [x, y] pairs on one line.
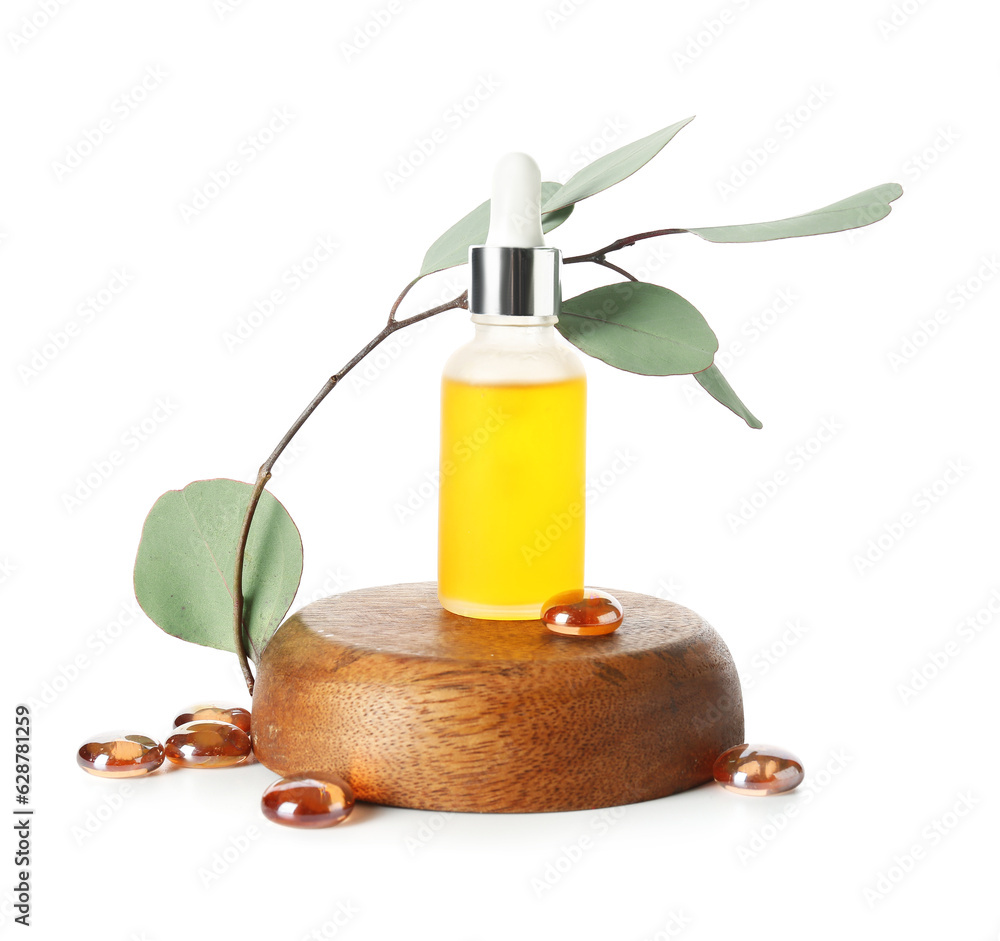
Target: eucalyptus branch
[[616, 342], [264, 474]]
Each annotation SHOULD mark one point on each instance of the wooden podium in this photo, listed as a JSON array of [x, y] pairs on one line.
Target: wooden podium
[[421, 708]]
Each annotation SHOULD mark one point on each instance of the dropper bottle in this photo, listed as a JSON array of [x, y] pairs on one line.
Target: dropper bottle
[[513, 424]]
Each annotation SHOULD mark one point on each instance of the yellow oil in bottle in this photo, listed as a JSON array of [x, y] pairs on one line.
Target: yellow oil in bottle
[[511, 511]]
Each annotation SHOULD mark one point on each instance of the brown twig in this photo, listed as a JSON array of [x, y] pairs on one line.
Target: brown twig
[[607, 264], [264, 474], [598, 256]]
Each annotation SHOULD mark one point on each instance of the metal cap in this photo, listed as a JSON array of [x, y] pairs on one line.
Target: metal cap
[[514, 282]]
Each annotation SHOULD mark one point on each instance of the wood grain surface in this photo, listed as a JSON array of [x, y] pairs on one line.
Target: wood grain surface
[[418, 707]]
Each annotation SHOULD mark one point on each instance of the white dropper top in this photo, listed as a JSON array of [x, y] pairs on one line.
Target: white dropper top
[[514, 277], [515, 206]]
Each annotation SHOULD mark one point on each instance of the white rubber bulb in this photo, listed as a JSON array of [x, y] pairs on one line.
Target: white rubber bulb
[[515, 217]]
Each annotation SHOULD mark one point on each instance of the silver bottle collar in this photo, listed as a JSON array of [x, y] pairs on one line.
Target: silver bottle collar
[[514, 282]]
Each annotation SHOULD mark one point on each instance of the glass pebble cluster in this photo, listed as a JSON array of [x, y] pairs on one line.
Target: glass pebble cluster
[[217, 735]]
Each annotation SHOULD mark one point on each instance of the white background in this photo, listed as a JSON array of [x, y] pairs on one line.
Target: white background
[[831, 651]]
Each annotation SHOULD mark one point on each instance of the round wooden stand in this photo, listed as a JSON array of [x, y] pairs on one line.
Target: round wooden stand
[[420, 708]]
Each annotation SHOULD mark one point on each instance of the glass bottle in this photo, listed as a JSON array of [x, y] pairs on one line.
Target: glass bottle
[[513, 424]]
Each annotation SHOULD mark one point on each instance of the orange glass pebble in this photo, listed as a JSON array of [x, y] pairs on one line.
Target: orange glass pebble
[[216, 712], [207, 744], [120, 755], [757, 770], [309, 800], [582, 611]]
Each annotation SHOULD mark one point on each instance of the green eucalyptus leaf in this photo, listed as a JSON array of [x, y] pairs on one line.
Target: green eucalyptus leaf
[[856, 211], [552, 219], [187, 555], [639, 327], [452, 248], [611, 168], [715, 384]]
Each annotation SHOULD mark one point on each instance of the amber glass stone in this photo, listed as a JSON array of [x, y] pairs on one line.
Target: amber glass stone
[[120, 755], [216, 712], [757, 770], [207, 744], [582, 611], [309, 800]]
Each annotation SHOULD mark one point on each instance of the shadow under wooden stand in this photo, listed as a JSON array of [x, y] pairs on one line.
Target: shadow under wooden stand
[[420, 708]]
